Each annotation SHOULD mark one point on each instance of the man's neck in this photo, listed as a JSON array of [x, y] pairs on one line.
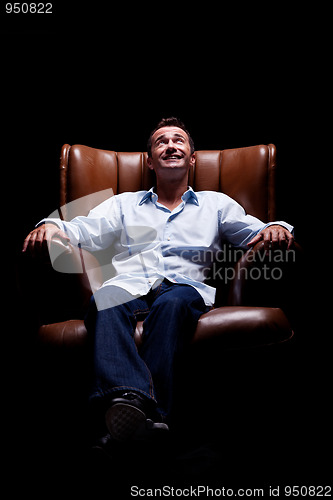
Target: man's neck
[[170, 194]]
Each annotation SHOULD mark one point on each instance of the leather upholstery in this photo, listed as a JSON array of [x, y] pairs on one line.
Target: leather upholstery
[[234, 326], [246, 174]]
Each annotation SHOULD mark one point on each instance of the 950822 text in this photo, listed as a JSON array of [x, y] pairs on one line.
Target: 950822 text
[[29, 8]]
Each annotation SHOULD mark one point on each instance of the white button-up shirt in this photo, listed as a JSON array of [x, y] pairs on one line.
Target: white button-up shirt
[[148, 242]]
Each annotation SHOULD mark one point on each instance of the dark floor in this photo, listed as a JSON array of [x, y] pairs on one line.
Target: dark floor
[[244, 418]]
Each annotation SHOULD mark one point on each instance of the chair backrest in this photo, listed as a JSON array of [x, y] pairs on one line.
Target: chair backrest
[[246, 174]]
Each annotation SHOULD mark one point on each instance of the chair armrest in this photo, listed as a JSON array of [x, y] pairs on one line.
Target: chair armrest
[[266, 278], [75, 260], [57, 286], [241, 327]]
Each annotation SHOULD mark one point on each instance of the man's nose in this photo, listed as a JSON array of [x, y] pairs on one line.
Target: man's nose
[[171, 145]]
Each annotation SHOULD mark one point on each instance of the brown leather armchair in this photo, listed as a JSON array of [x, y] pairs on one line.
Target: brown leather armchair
[[249, 312]]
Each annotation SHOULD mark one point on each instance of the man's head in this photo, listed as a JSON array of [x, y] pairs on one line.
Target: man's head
[[169, 122], [170, 146]]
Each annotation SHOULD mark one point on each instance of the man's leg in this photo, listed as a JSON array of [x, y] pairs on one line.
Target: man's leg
[[117, 365], [123, 387], [173, 314], [172, 320]]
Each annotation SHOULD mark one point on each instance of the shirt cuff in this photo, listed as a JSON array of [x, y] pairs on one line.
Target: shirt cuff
[[56, 222], [280, 223]]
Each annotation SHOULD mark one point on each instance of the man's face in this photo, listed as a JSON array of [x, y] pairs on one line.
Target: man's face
[[170, 149]]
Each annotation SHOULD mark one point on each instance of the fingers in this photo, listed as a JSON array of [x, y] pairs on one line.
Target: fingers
[[40, 242], [281, 237], [273, 236], [290, 240], [255, 240], [268, 237], [37, 240], [34, 241], [26, 243]]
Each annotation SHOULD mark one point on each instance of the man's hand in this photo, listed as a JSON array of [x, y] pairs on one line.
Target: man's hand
[[37, 241], [274, 235]]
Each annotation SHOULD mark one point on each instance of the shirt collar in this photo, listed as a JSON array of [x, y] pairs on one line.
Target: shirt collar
[[149, 195], [189, 196]]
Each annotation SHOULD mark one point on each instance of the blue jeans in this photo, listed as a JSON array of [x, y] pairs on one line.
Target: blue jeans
[[170, 312]]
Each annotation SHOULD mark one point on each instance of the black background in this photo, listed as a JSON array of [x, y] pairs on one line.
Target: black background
[[103, 78], [236, 77]]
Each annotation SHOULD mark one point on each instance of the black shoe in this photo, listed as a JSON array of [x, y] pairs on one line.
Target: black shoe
[[126, 419]]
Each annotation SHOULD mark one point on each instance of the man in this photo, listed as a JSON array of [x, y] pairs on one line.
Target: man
[[162, 238]]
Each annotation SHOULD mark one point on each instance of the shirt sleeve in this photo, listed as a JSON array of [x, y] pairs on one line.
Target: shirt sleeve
[[95, 231], [237, 227]]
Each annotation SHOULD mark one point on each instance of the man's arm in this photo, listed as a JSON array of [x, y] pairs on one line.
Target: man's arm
[[244, 230], [93, 232]]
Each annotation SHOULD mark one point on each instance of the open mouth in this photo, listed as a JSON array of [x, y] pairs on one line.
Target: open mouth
[[173, 157]]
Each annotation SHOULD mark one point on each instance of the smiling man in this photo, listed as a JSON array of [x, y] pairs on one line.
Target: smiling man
[[160, 278], [170, 148]]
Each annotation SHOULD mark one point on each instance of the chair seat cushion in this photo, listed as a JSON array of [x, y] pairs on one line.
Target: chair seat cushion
[[234, 326]]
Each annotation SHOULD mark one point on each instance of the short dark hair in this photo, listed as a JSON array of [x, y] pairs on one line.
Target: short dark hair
[[169, 122]]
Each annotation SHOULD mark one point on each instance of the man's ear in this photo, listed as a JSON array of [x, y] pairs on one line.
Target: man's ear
[[192, 159], [149, 163]]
